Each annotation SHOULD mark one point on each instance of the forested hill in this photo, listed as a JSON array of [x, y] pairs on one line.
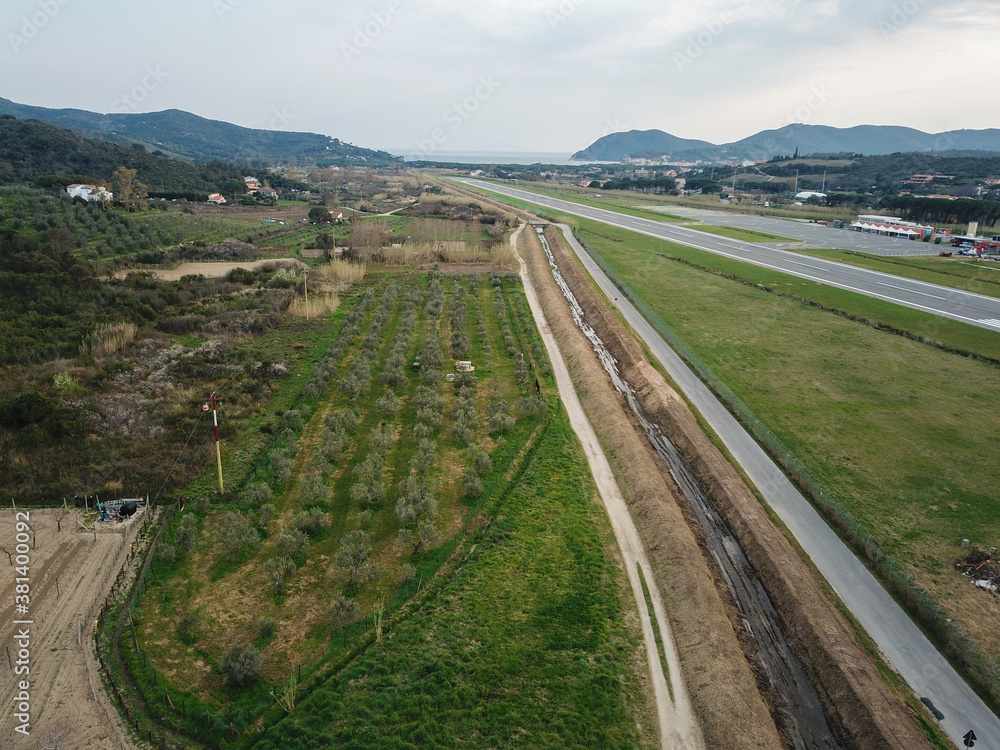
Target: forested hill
[[35, 152], [200, 139]]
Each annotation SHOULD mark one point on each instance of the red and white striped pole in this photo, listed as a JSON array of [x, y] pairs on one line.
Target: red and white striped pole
[[218, 450]]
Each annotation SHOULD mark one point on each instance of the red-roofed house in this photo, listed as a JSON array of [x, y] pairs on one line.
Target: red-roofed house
[[217, 198]]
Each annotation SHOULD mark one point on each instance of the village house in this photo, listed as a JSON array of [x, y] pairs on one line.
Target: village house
[[217, 198], [90, 193]]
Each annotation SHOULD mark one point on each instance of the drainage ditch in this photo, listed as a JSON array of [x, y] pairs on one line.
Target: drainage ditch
[[801, 713]]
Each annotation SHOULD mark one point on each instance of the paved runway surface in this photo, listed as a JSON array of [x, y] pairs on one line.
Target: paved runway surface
[[966, 307], [803, 233], [900, 641]]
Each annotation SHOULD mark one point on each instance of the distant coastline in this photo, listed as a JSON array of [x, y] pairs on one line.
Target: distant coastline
[[489, 157]]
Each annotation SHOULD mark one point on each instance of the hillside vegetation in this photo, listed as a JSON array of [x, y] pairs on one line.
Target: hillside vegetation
[[200, 139], [36, 152]]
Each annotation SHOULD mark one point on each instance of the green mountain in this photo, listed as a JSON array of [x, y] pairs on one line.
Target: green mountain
[[199, 139], [617, 146], [805, 139], [36, 152]]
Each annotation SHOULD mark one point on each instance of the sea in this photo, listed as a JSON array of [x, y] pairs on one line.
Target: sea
[[490, 157]]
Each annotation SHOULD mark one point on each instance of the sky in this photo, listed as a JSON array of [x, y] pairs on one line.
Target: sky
[[512, 75]]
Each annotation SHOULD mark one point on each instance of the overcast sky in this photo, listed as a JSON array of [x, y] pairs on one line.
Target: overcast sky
[[512, 75]]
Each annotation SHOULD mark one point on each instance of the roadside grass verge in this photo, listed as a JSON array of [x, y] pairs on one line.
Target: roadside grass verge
[[882, 421], [735, 233]]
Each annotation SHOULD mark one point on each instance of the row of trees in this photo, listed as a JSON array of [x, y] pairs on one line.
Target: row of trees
[[942, 211]]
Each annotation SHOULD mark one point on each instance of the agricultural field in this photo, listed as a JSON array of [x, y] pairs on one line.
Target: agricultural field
[[412, 560]]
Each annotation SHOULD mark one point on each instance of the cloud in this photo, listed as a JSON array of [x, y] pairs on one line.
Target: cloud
[[567, 67]]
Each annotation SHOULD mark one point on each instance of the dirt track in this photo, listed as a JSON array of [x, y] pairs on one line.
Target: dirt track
[[719, 679], [867, 713], [211, 270], [70, 574]]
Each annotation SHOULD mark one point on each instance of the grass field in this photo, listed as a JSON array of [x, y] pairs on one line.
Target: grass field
[[530, 555], [901, 433], [735, 233]]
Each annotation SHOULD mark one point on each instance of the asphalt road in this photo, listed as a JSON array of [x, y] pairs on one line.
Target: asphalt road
[[966, 307], [802, 233], [900, 641]]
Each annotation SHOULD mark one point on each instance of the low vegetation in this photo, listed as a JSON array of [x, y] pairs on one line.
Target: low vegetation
[[387, 484], [896, 429]]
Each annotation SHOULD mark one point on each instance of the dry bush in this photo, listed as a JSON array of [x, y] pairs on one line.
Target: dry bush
[[417, 253], [318, 304], [373, 233], [338, 270], [109, 338]]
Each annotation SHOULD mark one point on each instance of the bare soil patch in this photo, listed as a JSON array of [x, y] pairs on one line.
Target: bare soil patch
[[71, 572], [859, 701], [213, 270]]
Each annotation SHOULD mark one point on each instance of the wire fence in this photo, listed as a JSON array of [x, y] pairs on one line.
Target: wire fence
[[919, 601]]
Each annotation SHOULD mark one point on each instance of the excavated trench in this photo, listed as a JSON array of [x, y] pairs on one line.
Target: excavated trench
[[801, 712]]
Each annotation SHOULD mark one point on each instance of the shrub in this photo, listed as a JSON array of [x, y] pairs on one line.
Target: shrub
[[292, 543], [266, 628], [241, 665], [279, 572], [257, 495], [483, 463], [187, 533], [167, 554], [472, 487], [236, 535], [388, 404], [310, 522], [343, 612], [186, 628]]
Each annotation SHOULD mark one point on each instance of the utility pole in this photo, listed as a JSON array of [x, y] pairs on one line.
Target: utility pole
[[218, 449]]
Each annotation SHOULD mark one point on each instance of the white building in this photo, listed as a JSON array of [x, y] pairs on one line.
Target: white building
[[807, 194], [89, 193], [891, 226]]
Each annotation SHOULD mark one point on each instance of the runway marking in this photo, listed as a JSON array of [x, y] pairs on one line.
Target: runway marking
[[912, 291], [992, 322]]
